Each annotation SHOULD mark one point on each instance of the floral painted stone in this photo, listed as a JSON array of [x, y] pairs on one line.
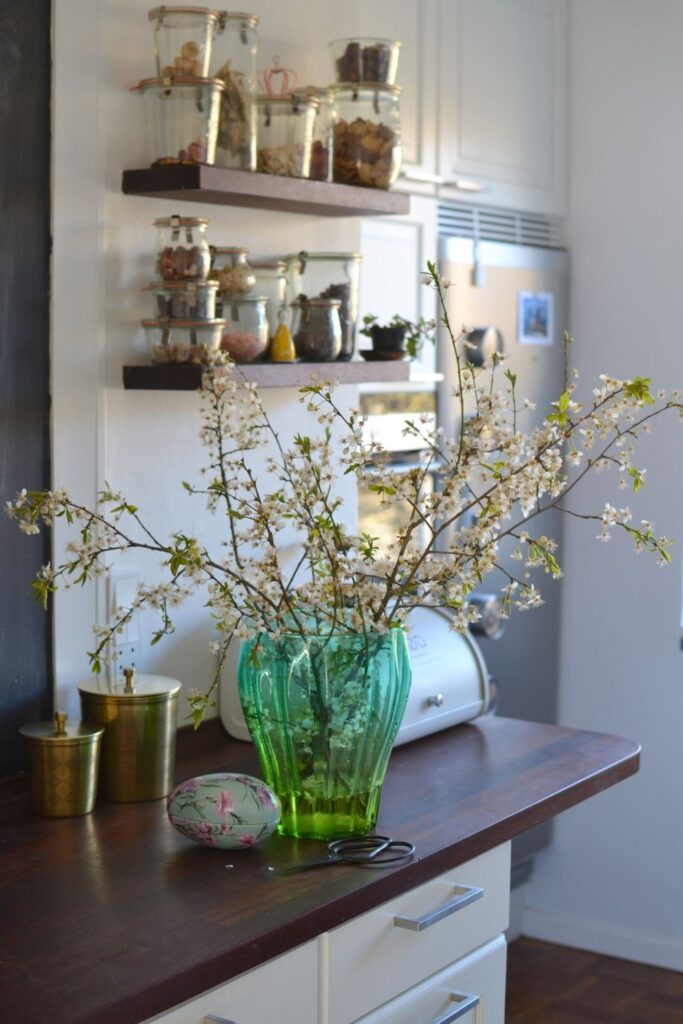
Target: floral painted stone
[[225, 810]]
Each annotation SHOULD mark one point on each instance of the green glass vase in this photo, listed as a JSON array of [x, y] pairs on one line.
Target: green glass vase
[[323, 712]]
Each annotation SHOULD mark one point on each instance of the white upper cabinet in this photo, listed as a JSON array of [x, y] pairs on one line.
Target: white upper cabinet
[[503, 101]]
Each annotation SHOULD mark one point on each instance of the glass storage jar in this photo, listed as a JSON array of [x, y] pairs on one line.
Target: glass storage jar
[[230, 268], [182, 119], [182, 39], [365, 60], [271, 281], [182, 249], [316, 330], [245, 335], [328, 275], [285, 134], [367, 135], [234, 62], [323, 128], [180, 300], [183, 341]]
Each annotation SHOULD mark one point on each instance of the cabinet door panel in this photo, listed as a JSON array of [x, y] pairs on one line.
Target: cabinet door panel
[[503, 99], [257, 996], [477, 979], [372, 960]]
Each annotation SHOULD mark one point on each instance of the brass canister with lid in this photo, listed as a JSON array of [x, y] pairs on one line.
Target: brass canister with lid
[[63, 762], [138, 746]]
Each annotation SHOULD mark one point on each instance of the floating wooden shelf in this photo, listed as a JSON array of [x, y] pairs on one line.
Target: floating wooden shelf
[[198, 183], [186, 377]]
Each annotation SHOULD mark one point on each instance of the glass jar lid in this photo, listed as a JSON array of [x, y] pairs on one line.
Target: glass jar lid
[[293, 102], [180, 286], [195, 325], [365, 39], [61, 732], [355, 88], [251, 20], [159, 13], [171, 81], [180, 222], [143, 686], [279, 265]]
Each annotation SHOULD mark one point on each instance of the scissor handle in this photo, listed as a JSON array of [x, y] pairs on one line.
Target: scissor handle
[[359, 848]]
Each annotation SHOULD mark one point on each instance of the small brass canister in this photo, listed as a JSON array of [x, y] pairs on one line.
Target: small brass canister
[[138, 746], [63, 762]]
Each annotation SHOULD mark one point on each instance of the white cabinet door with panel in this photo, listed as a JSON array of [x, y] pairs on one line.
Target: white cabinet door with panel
[[503, 101], [471, 992], [259, 996], [375, 957]]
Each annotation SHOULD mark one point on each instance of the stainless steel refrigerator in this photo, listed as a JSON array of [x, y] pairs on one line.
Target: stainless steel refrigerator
[[513, 296]]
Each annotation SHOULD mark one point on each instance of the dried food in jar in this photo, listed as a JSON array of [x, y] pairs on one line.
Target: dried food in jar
[[235, 127], [369, 63], [189, 62], [364, 153], [243, 346], [178, 263], [316, 329], [286, 160], [235, 280], [320, 161]]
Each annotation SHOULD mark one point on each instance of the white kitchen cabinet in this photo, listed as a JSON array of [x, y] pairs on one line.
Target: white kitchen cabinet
[[435, 948], [503, 102]]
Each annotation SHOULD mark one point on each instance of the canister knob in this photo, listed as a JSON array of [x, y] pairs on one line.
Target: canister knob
[[129, 676], [436, 700], [60, 719]]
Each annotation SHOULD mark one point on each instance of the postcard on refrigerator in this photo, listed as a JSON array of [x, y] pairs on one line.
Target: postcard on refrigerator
[[535, 318]]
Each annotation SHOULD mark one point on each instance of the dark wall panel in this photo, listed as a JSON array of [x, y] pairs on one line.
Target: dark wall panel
[[25, 72]]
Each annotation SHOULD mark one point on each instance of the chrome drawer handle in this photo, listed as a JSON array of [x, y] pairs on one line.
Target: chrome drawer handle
[[465, 894], [210, 1018], [465, 1001]]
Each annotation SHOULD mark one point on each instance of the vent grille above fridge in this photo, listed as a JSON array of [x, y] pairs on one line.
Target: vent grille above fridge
[[488, 224]]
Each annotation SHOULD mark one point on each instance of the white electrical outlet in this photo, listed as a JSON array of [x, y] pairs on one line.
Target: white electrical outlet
[[122, 588]]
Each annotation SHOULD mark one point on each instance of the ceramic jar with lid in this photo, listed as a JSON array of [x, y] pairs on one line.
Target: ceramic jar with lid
[[234, 62], [138, 745], [328, 275], [285, 134], [183, 38], [245, 334], [183, 252], [367, 135], [316, 330], [63, 766], [182, 119], [231, 270]]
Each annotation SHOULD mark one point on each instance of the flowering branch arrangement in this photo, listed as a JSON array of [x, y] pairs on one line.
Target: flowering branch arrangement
[[495, 481]]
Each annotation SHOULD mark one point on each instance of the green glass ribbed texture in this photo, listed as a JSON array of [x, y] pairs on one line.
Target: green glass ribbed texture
[[323, 713]]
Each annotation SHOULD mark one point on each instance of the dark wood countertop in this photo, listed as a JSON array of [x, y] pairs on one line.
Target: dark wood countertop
[[114, 917]]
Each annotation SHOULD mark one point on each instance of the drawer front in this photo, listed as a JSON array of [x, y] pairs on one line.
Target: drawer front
[[470, 992], [376, 956], [257, 996]]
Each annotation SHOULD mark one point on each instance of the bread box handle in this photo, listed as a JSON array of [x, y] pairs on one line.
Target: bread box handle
[[465, 894], [465, 1001]]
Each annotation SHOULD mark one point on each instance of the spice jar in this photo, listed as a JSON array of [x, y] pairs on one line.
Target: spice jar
[[316, 330], [234, 62], [183, 341], [179, 300], [271, 281], [329, 275], [182, 40], [323, 127], [367, 135], [365, 60], [245, 334], [182, 248], [229, 267], [285, 134], [182, 119]]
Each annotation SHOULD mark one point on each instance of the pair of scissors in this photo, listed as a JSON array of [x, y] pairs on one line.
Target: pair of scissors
[[368, 851]]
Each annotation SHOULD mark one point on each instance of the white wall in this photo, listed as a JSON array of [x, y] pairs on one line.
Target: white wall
[[612, 880]]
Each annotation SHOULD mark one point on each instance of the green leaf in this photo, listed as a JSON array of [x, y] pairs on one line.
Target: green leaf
[[639, 390]]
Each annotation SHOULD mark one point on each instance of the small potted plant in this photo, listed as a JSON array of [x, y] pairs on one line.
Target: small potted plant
[[399, 337]]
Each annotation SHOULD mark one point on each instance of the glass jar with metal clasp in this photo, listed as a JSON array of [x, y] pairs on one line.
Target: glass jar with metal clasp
[[234, 62], [316, 330], [367, 135]]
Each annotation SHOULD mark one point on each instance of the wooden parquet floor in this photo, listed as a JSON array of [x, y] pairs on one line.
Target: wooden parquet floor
[[550, 984]]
